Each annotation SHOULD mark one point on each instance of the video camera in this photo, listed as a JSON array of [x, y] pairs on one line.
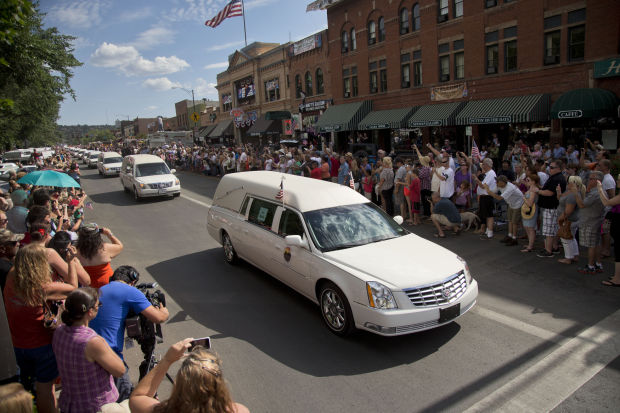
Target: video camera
[[144, 331]]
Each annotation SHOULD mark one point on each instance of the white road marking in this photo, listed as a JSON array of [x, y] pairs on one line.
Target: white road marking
[[520, 325], [545, 385], [204, 204]]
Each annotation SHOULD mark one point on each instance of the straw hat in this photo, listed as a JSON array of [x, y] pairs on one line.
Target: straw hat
[[425, 160], [528, 212]]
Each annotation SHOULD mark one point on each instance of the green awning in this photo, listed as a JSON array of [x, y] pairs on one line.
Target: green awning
[[265, 127], [224, 128], [386, 119], [585, 103], [206, 130], [515, 109], [278, 115], [441, 114], [344, 117]]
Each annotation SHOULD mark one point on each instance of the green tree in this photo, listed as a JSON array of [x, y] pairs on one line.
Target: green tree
[[35, 70]]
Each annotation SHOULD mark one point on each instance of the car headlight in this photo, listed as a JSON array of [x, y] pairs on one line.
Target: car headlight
[[467, 273], [141, 186], [379, 296], [177, 182]]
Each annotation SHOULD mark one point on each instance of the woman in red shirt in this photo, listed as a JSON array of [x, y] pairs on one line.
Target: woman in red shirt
[[28, 286]]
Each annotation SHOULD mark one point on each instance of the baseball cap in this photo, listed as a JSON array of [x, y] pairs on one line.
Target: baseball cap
[[7, 235]]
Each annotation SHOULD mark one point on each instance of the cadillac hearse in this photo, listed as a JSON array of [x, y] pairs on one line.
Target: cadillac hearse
[[329, 243]]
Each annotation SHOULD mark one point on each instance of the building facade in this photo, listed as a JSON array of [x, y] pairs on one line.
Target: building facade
[[457, 54]]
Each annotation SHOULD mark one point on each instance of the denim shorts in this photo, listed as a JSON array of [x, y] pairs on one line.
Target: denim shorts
[[38, 363]]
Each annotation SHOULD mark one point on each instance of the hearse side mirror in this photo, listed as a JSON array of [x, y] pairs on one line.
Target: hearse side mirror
[[173, 171], [296, 241], [399, 220]]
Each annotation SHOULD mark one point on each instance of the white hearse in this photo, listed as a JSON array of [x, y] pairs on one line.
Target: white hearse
[[148, 176], [341, 251], [109, 163]]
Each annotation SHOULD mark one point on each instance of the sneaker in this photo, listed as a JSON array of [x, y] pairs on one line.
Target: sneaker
[[544, 254], [485, 237], [556, 251], [505, 239], [598, 268], [587, 270]]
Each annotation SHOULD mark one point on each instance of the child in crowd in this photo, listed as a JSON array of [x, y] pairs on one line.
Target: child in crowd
[[367, 183], [462, 198], [415, 196]]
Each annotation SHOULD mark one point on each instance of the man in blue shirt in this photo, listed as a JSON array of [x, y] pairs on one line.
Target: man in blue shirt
[[117, 298], [343, 172], [445, 214]]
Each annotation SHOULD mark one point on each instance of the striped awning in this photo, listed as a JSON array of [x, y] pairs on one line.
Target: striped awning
[[224, 128], [344, 117], [441, 114], [585, 103], [206, 130], [386, 119], [265, 127], [515, 109]]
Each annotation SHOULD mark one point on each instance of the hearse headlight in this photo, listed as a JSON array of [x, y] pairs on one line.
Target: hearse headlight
[[379, 296], [466, 268], [177, 182]]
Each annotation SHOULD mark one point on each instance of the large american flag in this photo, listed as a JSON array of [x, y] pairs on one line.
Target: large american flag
[[475, 153], [232, 9]]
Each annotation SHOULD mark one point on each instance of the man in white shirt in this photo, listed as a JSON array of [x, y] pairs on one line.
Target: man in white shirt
[[486, 203], [514, 198], [446, 179], [609, 186]]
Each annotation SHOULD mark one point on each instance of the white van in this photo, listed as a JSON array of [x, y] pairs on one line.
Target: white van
[[109, 163], [147, 176]]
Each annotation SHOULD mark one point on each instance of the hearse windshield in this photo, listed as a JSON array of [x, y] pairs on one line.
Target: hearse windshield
[[148, 169]]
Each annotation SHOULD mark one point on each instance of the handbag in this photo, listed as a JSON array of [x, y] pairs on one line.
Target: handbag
[[564, 231], [51, 314]]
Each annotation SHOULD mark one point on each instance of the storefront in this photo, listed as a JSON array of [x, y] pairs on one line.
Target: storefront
[[222, 133], [309, 114], [384, 126], [264, 131], [204, 132], [340, 121], [436, 123]]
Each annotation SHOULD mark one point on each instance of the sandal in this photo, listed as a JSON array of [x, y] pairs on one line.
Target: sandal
[[527, 250], [439, 236], [565, 261], [610, 284]]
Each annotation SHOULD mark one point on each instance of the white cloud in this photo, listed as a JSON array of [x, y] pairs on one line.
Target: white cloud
[[202, 89], [219, 65], [79, 14], [160, 84], [133, 15], [224, 46], [153, 37], [152, 107], [81, 42], [129, 61]]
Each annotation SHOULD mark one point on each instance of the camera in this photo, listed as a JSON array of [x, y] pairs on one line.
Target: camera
[[481, 177]]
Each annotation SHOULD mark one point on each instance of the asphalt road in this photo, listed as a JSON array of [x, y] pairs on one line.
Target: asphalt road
[[542, 336]]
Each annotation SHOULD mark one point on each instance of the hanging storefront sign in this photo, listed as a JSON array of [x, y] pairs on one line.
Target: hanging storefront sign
[[570, 114], [607, 68], [494, 119], [423, 123], [456, 91], [305, 45], [313, 106]]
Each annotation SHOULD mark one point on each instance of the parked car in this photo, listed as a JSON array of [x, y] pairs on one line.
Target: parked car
[[109, 163], [148, 176], [341, 251], [6, 168]]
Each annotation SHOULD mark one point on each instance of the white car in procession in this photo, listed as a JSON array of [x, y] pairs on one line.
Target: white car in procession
[[148, 176], [341, 251], [109, 163]]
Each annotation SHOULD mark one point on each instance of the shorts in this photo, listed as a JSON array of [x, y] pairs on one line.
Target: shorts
[[399, 196], [550, 224], [442, 220], [514, 215], [590, 235], [485, 209], [38, 363]]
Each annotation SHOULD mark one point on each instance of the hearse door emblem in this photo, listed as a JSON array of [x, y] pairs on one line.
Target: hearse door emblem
[[287, 254]]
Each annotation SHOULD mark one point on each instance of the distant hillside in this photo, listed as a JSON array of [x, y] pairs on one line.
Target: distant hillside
[[76, 133]]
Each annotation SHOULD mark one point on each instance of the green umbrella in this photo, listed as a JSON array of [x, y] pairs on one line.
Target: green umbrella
[[49, 178]]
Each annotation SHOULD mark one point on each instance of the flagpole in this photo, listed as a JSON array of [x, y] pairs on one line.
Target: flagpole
[[245, 36]]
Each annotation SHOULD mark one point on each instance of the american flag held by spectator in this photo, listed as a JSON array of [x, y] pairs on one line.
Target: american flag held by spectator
[[475, 153], [232, 9], [351, 181]]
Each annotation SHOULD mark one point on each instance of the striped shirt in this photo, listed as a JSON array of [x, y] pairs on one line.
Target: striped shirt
[[86, 386]]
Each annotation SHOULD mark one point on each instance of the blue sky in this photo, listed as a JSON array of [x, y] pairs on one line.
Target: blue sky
[[134, 51]]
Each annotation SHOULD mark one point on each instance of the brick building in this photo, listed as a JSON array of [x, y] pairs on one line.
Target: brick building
[[494, 65]]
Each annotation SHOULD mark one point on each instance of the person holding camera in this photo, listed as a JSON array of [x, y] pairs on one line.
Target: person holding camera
[[117, 299], [95, 255], [199, 384]]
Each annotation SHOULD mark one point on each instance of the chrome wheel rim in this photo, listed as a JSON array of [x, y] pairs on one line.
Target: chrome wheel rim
[[333, 309], [229, 252]]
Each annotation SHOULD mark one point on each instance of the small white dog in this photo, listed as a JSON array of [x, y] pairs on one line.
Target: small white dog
[[468, 219]]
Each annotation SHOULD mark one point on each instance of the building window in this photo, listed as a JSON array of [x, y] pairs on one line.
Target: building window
[[404, 20], [458, 8], [372, 71], [272, 90], [405, 70], [350, 82], [552, 48], [417, 68], [577, 16], [372, 32], [553, 22], [576, 43], [510, 56], [444, 68], [320, 88], [227, 102], [345, 42], [510, 32], [308, 82], [492, 57], [459, 65], [354, 84], [383, 86], [381, 29], [353, 40], [490, 3], [347, 87], [297, 86], [443, 11], [416, 17]]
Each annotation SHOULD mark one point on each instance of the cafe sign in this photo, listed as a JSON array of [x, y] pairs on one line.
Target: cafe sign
[[491, 119], [570, 114], [607, 68]]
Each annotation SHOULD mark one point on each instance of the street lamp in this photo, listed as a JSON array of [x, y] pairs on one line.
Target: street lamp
[[194, 114]]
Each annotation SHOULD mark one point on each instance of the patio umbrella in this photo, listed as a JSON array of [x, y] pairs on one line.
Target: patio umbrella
[[49, 178]]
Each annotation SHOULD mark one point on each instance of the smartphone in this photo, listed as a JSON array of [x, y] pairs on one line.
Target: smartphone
[[204, 342]]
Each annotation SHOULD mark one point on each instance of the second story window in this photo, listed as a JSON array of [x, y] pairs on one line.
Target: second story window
[[373, 77], [576, 43], [381, 29], [417, 68], [320, 88], [458, 8], [372, 32], [308, 81], [492, 57], [459, 65], [272, 90], [552, 47], [298, 86], [404, 20], [345, 41], [416, 18], [227, 102], [353, 40], [405, 70], [383, 87], [443, 11]]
